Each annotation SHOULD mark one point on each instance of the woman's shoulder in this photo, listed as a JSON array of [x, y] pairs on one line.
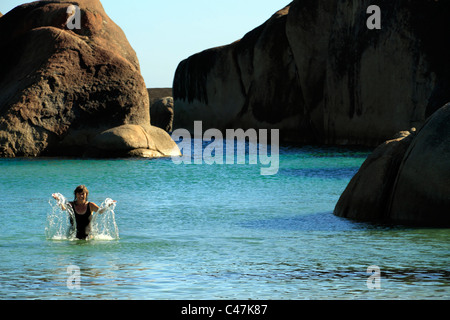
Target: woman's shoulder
[[93, 205]]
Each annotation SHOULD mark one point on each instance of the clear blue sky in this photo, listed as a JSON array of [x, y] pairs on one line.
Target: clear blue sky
[[164, 32]]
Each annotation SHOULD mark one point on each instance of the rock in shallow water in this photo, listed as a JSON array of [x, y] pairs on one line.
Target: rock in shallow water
[[405, 180], [60, 87], [133, 141], [421, 193]]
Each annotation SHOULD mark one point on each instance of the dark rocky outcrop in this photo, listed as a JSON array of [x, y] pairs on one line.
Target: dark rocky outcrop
[[60, 87], [161, 108], [242, 85], [367, 195], [155, 94], [405, 180], [161, 113], [316, 72], [421, 192]]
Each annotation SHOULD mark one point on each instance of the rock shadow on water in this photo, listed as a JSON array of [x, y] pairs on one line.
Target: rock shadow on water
[[321, 221], [323, 173]]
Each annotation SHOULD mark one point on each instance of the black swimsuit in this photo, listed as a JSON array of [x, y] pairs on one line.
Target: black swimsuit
[[83, 221]]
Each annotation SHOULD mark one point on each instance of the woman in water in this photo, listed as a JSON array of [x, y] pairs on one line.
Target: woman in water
[[83, 210]]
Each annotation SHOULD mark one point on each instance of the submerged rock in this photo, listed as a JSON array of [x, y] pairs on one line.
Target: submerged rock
[[61, 87], [405, 180]]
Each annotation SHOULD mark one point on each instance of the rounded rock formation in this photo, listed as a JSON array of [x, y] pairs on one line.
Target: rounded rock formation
[[135, 141], [367, 196], [405, 180], [62, 86], [315, 71], [161, 113], [421, 193]]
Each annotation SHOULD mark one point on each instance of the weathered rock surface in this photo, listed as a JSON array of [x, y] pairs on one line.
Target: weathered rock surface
[[316, 72], [133, 141], [161, 113], [59, 87], [155, 94], [421, 192], [368, 193], [242, 85], [161, 108], [405, 180]]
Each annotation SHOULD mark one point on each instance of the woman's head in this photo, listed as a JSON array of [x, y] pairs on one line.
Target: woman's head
[[80, 190]]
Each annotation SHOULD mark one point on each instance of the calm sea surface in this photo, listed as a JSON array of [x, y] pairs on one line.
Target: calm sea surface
[[211, 232]]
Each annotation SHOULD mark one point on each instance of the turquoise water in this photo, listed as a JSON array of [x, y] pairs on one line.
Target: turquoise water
[[211, 232]]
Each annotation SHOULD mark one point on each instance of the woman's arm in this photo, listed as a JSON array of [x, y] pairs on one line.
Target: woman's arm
[[60, 203], [96, 208]]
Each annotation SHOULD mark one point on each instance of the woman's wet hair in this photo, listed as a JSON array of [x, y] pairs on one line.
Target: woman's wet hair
[[79, 189]]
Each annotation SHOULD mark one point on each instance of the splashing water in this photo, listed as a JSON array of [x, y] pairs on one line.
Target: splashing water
[[103, 223], [61, 222], [59, 226]]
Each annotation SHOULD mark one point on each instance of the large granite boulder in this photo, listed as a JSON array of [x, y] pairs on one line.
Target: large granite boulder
[[421, 193], [207, 87], [251, 83], [382, 81], [405, 180], [308, 29], [367, 195], [315, 71], [61, 87]]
